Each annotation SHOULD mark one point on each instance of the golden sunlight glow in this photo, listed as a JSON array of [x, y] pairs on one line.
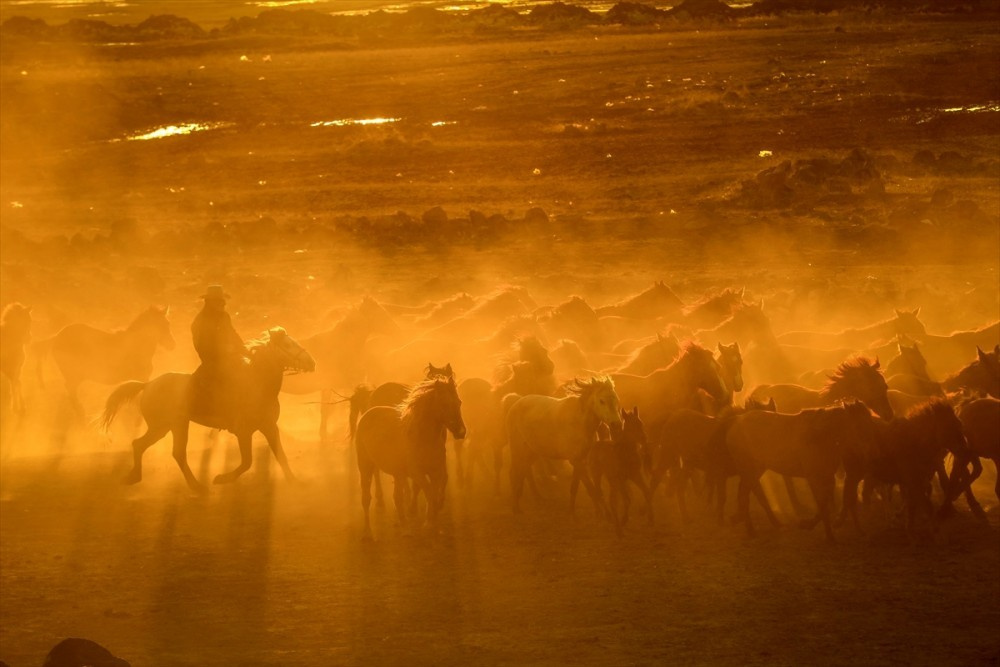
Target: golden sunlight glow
[[344, 122], [175, 130]]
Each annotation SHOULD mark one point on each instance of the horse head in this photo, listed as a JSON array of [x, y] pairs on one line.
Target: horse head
[[704, 372], [861, 379], [731, 362], [598, 398], [153, 321], [442, 372], [290, 355], [530, 350], [912, 359], [906, 323], [448, 406], [632, 434], [377, 318]]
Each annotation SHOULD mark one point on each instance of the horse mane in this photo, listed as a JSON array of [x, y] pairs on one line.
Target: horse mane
[[576, 309], [727, 298], [584, 389], [936, 408], [143, 317], [13, 310], [692, 352], [254, 345], [656, 293], [653, 347], [847, 372], [413, 406]]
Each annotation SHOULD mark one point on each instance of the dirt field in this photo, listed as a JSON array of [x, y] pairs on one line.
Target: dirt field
[[644, 150]]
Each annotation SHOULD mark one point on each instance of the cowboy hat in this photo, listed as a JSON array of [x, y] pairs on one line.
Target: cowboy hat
[[215, 292]]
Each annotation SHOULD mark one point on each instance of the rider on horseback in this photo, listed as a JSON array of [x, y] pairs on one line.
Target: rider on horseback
[[222, 356]]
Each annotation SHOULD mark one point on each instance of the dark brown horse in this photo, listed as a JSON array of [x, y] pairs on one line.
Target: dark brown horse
[[408, 443], [166, 406], [908, 373], [84, 353], [910, 451], [621, 460], [981, 425], [981, 376], [15, 332], [859, 379], [811, 444]]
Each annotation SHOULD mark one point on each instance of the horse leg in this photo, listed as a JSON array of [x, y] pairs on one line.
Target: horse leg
[[378, 487], [743, 505], [366, 497], [647, 495], [850, 501], [594, 492], [273, 436], [180, 432], [626, 499], [139, 447], [721, 482], [970, 498], [797, 506], [823, 492], [516, 485], [399, 486], [459, 468], [614, 509], [325, 399], [246, 459], [758, 493]]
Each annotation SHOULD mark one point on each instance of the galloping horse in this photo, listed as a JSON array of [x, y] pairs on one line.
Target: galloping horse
[[982, 375], [559, 429], [811, 444], [981, 424], [166, 406], [673, 387], [622, 459], [85, 353], [408, 442], [15, 332]]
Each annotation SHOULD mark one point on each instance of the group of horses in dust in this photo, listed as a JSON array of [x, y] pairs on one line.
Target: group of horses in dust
[[520, 384]]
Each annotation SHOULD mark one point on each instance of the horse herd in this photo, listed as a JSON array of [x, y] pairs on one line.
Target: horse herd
[[522, 384]]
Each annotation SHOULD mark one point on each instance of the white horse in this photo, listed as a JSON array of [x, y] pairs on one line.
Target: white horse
[[560, 429]]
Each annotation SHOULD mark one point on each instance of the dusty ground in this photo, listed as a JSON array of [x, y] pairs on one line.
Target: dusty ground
[[267, 572]]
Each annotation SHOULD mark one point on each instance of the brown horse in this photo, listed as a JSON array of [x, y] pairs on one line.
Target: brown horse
[[15, 332], [166, 406], [859, 379], [812, 444], [905, 322], [908, 373], [657, 301], [675, 386], [714, 310], [654, 355], [910, 452], [84, 353], [340, 355], [690, 440], [408, 443], [981, 424], [621, 460], [542, 427], [981, 376]]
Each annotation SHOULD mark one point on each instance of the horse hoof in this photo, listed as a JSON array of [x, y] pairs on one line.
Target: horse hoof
[[132, 478], [222, 479]]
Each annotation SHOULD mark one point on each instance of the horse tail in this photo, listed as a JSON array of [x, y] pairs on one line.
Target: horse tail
[[123, 393]]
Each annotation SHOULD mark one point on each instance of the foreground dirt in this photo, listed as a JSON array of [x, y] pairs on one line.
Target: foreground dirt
[[267, 572]]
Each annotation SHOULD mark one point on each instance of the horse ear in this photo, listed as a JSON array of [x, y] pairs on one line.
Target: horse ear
[[771, 404], [916, 311], [898, 314], [719, 345], [743, 291], [760, 305], [877, 364], [635, 411], [622, 412], [447, 368], [980, 354]]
